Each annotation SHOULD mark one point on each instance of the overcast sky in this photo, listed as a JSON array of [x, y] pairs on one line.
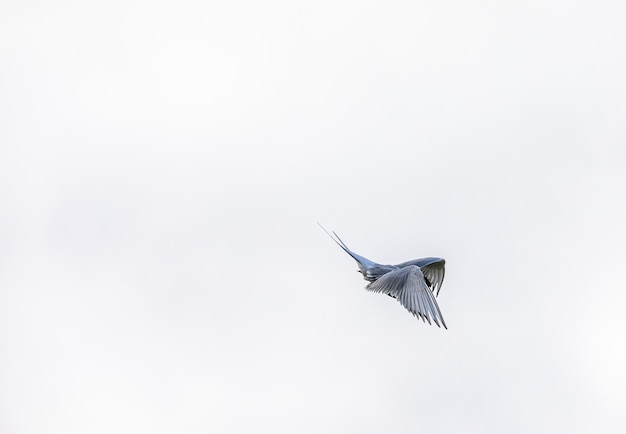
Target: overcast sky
[[163, 166]]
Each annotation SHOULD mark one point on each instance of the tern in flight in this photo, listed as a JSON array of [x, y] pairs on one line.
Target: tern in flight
[[413, 283]]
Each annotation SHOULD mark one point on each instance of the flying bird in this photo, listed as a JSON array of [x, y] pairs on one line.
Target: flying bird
[[413, 283]]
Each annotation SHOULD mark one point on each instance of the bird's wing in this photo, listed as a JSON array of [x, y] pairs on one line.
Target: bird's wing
[[409, 287], [434, 270]]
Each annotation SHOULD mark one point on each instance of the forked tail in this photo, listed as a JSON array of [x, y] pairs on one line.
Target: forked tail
[[365, 265]]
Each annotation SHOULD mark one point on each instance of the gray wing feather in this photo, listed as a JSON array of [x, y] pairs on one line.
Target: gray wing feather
[[434, 270], [409, 287]]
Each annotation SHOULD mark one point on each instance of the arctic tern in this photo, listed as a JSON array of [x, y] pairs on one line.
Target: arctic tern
[[413, 283]]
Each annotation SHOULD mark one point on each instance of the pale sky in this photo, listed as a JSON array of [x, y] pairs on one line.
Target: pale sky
[[163, 166]]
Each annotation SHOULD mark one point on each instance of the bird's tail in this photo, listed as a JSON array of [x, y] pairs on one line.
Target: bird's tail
[[364, 263]]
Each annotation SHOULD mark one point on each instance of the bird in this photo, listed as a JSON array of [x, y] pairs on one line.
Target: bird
[[415, 284]]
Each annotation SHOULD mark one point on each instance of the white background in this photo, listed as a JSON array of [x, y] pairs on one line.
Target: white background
[[163, 166]]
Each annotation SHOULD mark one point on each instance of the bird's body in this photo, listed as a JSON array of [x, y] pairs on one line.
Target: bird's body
[[413, 283]]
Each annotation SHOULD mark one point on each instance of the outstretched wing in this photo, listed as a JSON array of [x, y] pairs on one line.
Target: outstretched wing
[[409, 287], [434, 270]]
